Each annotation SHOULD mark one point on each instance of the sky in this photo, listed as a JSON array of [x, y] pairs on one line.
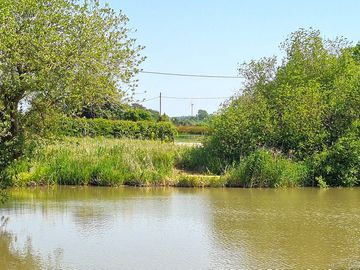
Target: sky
[[215, 37]]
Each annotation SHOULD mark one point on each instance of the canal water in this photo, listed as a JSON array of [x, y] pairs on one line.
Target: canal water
[[168, 228]]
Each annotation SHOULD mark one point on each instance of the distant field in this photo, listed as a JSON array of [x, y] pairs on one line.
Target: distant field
[[189, 138], [195, 130]]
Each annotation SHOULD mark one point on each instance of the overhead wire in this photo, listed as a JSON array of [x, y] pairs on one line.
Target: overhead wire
[[146, 100], [184, 98], [191, 75], [188, 75], [167, 97]]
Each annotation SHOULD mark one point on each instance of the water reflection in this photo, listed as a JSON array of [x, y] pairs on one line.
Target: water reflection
[[287, 228], [164, 228], [106, 228], [22, 258]]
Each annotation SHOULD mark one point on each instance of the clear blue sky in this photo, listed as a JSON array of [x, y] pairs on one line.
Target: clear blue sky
[[213, 37]]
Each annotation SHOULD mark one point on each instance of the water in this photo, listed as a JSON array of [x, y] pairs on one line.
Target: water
[[164, 228]]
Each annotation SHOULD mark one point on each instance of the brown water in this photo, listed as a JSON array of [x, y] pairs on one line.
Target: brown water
[[138, 228]]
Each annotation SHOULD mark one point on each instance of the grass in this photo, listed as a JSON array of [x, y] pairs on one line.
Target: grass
[[194, 180], [100, 161], [115, 162], [106, 162], [189, 138], [266, 169]]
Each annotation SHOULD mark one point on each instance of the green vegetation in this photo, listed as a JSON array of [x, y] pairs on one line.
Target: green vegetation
[[99, 161], [195, 130], [306, 109], [266, 169], [64, 68], [202, 160], [201, 119], [116, 109], [59, 57], [189, 138], [191, 134], [107, 162], [81, 127]]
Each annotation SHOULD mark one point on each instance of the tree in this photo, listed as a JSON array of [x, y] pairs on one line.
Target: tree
[[202, 115], [302, 108], [59, 55]]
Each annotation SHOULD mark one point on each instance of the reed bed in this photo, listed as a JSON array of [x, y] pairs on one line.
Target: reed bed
[[100, 161]]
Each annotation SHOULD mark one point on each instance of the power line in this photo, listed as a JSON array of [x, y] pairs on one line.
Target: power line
[[186, 98], [167, 97], [146, 100], [191, 75]]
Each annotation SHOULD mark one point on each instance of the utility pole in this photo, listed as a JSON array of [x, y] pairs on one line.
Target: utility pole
[[160, 106], [192, 109]]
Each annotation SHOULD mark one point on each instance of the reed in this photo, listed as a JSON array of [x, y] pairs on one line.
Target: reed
[[101, 161], [264, 168]]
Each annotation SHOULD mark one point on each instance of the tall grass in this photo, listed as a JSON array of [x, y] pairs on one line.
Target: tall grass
[[101, 161], [202, 160], [266, 169], [114, 162]]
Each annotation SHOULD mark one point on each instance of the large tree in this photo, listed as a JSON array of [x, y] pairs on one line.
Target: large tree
[[59, 55]]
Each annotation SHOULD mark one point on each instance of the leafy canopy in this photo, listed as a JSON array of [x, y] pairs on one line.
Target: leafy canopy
[[299, 106], [59, 55]]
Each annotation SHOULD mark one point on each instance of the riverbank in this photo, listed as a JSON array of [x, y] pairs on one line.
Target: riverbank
[[109, 162], [116, 162]]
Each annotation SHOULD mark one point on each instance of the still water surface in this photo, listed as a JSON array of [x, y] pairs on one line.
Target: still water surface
[[165, 228]]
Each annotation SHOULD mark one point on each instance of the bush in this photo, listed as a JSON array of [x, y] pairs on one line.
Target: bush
[[339, 164], [81, 127], [266, 169]]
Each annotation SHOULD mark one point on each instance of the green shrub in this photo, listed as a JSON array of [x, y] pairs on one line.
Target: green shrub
[[339, 164], [266, 169], [81, 127]]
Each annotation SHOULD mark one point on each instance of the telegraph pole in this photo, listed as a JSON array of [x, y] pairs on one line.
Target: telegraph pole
[[192, 109], [160, 105]]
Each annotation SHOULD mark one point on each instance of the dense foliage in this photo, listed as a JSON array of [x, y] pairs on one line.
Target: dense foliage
[[307, 108], [59, 56], [118, 110], [81, 127], [265, 169], [202, 118]]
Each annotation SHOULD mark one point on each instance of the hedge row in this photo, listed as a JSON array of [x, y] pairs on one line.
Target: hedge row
[[82, 127], [199, 130]]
